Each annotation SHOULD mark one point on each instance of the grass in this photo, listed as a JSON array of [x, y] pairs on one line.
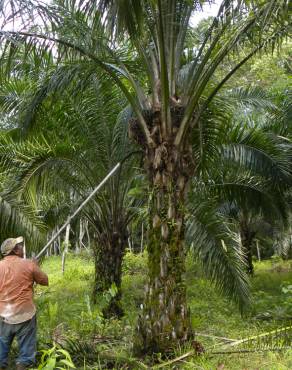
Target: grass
[[65, 311]]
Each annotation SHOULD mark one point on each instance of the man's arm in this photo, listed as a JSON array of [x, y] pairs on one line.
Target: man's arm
[[38, 275]]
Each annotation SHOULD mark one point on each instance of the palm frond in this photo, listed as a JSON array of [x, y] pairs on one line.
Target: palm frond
[[218, 251], [20, 219], [243, 191], [250, 97], [261, 152], [277, 338]]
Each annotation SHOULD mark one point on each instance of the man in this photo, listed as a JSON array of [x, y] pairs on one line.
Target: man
[[17, 310]]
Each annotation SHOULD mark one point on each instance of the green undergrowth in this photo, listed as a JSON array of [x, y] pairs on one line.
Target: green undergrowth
[[66, 315]]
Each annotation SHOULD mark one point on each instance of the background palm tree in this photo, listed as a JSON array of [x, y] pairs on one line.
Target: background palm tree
[[242, 181], [57, 169]]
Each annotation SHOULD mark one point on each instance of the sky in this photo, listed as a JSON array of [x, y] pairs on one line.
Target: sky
[[208, 10]]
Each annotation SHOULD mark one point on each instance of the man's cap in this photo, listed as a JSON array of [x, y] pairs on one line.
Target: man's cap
[[9, 244]]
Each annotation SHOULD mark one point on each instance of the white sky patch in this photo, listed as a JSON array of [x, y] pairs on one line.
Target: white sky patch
[[208, 11]]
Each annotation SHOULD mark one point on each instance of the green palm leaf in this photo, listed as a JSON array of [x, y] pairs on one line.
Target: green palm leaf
[[218, 251]]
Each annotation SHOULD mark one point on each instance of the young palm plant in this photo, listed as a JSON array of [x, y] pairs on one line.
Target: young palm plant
[[141, 46]]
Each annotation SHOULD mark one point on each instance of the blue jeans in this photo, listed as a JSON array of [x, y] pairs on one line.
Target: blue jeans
[[25, 334]]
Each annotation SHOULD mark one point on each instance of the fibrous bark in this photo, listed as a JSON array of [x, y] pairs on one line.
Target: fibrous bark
[[246, 237], [165, 319], [108, 256]]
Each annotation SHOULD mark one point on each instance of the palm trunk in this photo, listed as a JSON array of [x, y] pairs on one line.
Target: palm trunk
[[66, 244], [108, 256], [87, 233], [246, 237], [142, 238], [258, 251], [165, 319], [80, 243]]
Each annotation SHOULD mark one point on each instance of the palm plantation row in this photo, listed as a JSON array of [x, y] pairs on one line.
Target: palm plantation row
[[207, 163]]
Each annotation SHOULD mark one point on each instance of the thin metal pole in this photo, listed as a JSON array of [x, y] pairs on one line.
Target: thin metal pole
[[24, 249], [78, 209]]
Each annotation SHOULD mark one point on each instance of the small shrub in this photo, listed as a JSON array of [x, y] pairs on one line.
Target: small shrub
[[135, 263], [55, 358]]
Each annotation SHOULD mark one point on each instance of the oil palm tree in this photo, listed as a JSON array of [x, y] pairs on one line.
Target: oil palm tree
[[249, 182], [62, 166], [17, 216], [141, 46]]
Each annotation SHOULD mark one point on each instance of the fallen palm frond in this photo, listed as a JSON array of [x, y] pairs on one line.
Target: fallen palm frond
[[107, 358], [243, 351], [216, 337], [277, 338], [271, 341], [193, 353]]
